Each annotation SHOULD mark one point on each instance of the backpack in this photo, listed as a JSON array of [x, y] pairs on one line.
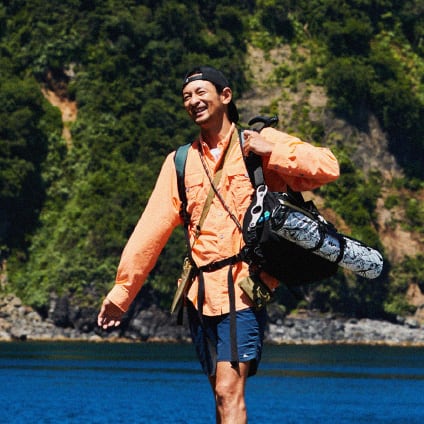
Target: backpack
[[290, 240]]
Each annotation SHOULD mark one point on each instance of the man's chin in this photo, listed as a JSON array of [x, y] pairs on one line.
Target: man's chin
[[202, 119]]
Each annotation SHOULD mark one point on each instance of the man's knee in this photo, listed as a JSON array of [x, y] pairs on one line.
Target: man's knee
[[230, 401], [230, 386], [226, 391]]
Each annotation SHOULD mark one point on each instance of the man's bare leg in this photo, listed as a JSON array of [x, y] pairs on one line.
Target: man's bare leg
[[229, 388]]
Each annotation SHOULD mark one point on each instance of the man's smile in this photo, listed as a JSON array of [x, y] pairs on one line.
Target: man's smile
[[199, 110]]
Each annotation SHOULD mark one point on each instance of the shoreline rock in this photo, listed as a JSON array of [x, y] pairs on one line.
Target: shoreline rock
[[21, 323], [344, 331]]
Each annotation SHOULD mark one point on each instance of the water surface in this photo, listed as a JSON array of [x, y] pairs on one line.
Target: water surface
[[162, 383]]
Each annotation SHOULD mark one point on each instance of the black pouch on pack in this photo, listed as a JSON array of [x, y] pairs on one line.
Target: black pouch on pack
[[291, 264]]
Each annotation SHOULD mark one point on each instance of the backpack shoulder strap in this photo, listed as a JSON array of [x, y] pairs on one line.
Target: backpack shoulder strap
[[180, 160], [254, 162]]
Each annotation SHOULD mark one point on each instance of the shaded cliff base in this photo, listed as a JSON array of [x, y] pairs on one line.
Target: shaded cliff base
[[20, 322]]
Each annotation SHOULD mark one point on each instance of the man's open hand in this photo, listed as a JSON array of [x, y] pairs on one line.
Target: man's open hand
[[109, 316]]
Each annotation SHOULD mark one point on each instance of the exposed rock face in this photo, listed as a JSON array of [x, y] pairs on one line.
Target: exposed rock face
[[19, 322], [55, 90]]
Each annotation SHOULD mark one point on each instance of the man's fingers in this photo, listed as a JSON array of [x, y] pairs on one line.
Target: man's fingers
[[255, 143], [109, 315], [106, 323]]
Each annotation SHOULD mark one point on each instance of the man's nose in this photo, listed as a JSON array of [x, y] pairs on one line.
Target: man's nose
[[194, 100]]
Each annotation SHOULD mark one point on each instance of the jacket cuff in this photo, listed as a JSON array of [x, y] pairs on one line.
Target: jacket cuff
[[119, 296]]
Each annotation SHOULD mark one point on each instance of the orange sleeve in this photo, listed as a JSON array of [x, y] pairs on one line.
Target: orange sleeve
[[150, 235], [302, 165]]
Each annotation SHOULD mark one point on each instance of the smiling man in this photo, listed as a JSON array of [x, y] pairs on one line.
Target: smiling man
[[226, 329]]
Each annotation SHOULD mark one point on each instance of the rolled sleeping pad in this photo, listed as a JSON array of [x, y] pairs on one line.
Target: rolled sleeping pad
[[333, 246]]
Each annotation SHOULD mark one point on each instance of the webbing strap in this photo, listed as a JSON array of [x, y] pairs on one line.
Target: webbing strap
[[208, 202], [201, 295], [180, 160], [342, 242], [233, 319], [214, 266]]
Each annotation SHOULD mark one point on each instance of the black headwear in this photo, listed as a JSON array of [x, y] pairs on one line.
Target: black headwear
[[217, 78]]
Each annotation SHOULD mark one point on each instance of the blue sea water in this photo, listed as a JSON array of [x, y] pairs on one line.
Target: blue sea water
[[162, 383]]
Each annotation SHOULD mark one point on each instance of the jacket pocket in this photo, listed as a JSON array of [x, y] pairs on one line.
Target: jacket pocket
[[239, 189], [195, 192]]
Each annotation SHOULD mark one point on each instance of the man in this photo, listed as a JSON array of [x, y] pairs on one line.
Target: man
[[207, 98]]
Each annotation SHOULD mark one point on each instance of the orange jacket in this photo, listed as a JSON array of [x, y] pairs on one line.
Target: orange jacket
[[296, 163]]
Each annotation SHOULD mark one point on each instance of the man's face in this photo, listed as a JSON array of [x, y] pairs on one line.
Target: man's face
[[202, 102]]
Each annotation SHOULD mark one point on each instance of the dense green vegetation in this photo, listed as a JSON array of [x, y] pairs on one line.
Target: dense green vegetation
[[67, 210]]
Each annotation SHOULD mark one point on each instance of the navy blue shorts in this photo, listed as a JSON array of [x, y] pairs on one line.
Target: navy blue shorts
[[212, 338]]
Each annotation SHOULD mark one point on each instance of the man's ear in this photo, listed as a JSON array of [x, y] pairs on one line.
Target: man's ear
[[226, 95]]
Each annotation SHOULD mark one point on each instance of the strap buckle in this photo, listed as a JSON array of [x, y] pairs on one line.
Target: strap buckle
[[258, 207]]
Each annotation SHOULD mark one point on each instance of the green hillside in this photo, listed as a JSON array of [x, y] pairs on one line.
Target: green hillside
[[71, 192]]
